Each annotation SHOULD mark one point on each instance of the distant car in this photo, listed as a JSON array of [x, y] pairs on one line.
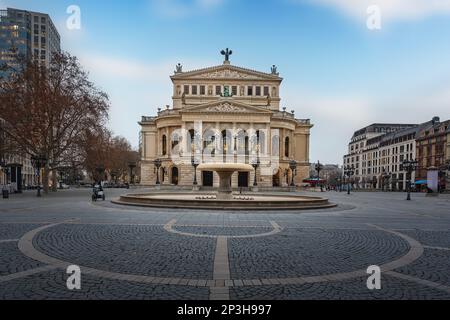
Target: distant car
[[98, 193]]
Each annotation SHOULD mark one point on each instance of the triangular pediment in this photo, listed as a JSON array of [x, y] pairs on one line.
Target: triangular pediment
[[225, 72], [226, 106]]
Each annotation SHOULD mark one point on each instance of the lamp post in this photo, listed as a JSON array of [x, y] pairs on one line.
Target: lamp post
[[319, 168], [195, 163], [349, 171], [158, 164], [131, 165], [293, 167], [409, 166], [39, 162], [256, 163]]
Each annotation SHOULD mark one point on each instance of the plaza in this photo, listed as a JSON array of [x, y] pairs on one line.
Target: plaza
[[184, 254]]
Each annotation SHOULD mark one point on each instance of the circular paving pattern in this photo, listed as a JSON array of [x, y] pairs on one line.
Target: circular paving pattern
[[167, 255]]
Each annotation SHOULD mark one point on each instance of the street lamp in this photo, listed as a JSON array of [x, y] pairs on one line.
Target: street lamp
[[409, 166], [195, 163], [39, 162], [256, 163], [293, 167], [319, 168], [349, 171], [131, 165], [158, 164]]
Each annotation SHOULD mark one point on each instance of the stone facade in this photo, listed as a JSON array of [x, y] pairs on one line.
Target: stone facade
[[378, 151], [432, 149], [224, 114]]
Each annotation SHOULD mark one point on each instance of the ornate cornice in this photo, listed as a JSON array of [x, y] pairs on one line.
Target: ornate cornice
[[226, 72]]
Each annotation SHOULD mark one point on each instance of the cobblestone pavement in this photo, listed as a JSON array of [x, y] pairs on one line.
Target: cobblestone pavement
[[163, 254]]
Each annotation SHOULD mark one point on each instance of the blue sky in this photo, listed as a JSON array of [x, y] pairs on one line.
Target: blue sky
[[336, 71]]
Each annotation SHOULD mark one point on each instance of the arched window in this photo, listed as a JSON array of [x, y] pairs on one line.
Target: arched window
[[209, 143], [175, 140], [164, 145], [286, 147], [191, 141], [242, 143]]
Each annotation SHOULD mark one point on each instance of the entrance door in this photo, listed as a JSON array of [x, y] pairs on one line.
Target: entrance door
[[243, 178], [175, 176], [208, 178], [276, 179]]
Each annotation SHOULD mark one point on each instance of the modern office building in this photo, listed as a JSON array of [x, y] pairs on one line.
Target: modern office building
[[29, 34]]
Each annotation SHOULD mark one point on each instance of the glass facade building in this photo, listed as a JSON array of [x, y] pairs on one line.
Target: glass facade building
[[29, 34]]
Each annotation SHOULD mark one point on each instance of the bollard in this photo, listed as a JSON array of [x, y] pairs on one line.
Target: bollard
[[5, 194]]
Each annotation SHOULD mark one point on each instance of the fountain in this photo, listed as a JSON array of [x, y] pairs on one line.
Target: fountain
[[223, 199], [225, 171]]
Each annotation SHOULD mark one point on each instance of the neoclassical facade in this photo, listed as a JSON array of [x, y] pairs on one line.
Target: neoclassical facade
[[224, 114]]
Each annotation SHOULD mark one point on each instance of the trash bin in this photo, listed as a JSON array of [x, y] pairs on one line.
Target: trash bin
[[5, 194]]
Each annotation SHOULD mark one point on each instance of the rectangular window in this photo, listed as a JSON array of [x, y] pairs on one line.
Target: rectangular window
[[234, 90], [43, 20], [218, 90], [202, 90], [186, 89], [258, 91], [194, 90], [249, 91], [266, 91]]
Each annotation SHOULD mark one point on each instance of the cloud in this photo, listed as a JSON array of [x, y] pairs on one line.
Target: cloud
[[336, 118], [184, 8], [107, 66], [112, 67], [390, 9]]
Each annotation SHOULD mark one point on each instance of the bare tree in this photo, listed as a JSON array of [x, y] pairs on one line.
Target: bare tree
[[47, 111]]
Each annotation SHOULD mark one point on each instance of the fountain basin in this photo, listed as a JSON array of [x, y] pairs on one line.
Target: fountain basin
[[210, 201]]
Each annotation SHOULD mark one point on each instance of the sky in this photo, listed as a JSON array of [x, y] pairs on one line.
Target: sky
[[337, 71]]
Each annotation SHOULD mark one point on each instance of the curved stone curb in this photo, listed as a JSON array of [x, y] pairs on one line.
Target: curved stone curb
[[169, 227], [27, 248], [436, 248]]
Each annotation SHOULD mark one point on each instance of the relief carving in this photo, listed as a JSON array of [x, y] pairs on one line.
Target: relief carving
[[225, 107]]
